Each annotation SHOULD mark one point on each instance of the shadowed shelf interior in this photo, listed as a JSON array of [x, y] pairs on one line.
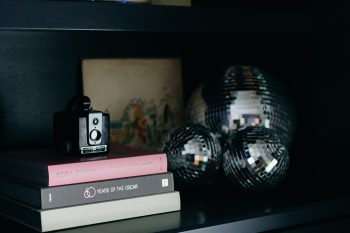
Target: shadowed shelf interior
[[42, 44]]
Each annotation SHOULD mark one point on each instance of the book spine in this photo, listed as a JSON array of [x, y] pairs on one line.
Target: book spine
[[61, 218], [85, 193], [88, 171]]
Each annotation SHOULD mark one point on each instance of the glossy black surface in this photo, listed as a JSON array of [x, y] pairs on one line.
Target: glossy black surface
[[215, 211], [114, 16], [339, 225]]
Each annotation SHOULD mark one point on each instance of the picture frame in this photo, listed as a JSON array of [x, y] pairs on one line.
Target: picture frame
[[143, 96]]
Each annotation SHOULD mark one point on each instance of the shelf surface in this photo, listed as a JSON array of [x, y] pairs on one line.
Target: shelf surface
[[225, 211], [114, 16]]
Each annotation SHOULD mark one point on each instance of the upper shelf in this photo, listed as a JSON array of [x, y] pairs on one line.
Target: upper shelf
[[113, 16]]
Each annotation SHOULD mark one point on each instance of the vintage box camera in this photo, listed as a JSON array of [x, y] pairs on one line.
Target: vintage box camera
[[80, 129]]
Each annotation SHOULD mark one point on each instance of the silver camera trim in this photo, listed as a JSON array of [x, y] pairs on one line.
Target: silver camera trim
[[91, 126]]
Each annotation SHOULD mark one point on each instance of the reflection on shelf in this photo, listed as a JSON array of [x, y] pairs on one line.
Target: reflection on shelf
[[147, 224]]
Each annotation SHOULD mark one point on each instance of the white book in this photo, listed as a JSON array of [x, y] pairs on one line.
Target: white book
[[81, 215], [146, 224]]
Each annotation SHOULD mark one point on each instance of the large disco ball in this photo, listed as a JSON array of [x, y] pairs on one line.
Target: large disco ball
[[242, 96], [194, 155], [255, 159]]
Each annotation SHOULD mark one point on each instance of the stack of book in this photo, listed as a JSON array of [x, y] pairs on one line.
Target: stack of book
[[48, 191]]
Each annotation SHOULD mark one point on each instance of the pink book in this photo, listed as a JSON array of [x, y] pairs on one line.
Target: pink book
[[45, 167]]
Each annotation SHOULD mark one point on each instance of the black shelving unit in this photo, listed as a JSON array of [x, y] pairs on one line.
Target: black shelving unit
[[42, 44], [113, 16]]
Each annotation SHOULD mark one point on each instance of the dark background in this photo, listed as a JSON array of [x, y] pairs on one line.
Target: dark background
[[40, 70]]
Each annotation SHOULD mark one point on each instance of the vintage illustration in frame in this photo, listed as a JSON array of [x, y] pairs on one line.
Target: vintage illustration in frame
[[143, 96]]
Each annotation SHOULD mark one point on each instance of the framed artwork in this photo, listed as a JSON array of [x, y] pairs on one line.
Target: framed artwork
[[143, 97]]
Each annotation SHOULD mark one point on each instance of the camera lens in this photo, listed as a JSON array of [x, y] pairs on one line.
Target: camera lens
[[95, 135], [95, 121]]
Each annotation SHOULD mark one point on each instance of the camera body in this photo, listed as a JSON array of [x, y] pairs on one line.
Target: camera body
[[80, 129]]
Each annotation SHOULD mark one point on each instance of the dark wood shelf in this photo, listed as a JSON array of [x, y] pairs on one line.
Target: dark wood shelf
[[113, 16], [210, 211], [231, 211]]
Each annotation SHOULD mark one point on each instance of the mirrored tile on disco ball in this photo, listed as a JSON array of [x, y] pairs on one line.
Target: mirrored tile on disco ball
[[194, 155], [243, 96], [255, 159]]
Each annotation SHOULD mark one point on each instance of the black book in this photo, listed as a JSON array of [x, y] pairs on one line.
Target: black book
[[85, 193]]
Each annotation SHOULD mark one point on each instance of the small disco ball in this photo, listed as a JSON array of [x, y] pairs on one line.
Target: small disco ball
[[242, 96], [255, 159], [194, 155]]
